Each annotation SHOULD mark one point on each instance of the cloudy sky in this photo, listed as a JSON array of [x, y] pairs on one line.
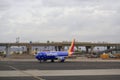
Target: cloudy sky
[[60, 20]]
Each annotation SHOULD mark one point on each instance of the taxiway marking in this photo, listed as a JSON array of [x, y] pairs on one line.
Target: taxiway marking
[[35, 73]]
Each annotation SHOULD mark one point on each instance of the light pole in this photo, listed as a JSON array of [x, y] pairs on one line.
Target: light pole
[[17, 39]]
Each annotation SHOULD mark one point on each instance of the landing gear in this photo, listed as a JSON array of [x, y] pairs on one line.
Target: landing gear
[[45, 60], [52, 60], [40, 61], [62, 60]]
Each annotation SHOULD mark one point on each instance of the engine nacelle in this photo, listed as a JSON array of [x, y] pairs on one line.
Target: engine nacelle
[[61, 59]]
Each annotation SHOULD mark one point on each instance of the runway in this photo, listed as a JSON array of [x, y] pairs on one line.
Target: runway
[[33, 70]]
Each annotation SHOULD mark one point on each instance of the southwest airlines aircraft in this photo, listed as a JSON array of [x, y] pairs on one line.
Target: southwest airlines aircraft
[[57, 55]]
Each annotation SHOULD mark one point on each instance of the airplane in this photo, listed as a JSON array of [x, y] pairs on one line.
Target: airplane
[[56, 55]]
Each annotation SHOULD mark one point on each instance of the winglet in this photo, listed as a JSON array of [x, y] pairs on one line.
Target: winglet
[[71, 49]]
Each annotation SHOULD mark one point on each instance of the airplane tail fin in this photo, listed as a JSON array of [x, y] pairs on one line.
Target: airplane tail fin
[[71, 49]]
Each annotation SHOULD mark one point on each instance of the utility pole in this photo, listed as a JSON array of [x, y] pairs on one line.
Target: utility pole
[[17, 39]]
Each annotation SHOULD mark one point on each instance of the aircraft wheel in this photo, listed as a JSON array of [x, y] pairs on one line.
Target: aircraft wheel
[[40, 61], [45, 60], [52, 60], [62, 60]]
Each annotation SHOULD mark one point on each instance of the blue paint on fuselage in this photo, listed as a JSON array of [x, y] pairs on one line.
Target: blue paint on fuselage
[[51, 55]]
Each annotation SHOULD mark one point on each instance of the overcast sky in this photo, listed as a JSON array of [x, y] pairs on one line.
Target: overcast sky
[[60, 20]]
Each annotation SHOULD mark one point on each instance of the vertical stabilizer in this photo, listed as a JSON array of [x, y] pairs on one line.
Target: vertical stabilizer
[[71, 49]]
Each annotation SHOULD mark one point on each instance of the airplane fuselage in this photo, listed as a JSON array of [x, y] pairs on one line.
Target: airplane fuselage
[[60, 55]]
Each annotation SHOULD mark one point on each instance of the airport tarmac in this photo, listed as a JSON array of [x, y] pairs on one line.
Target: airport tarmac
[[31, 69]]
